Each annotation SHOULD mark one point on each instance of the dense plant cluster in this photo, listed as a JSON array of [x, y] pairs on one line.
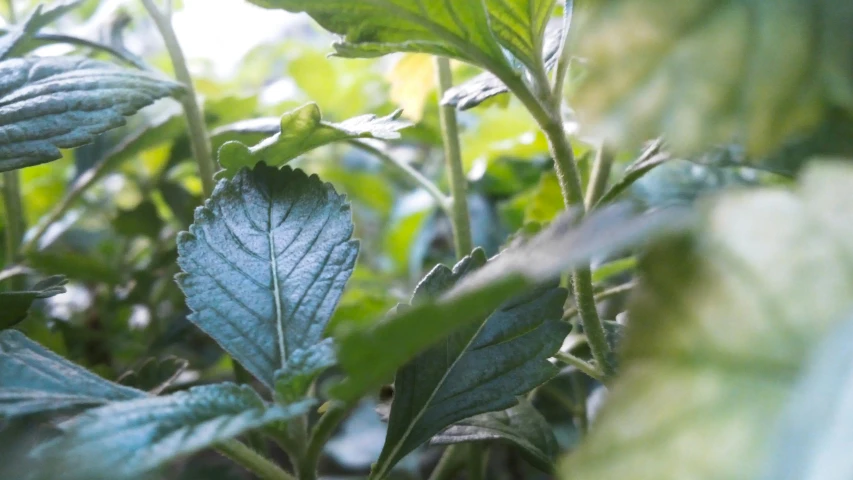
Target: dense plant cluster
[[521, 239]]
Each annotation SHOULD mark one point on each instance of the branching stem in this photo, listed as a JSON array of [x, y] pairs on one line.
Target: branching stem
[[252, 461]]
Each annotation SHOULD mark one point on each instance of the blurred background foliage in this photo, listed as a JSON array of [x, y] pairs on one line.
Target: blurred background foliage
[[116, 241]]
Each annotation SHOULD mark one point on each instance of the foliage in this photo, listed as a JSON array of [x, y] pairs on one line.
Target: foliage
[[649, 274]]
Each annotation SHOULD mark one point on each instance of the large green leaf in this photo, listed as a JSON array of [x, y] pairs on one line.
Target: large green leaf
[[814, 437], [34, 379], [15, 305], [370, 28], [519, 26], [481, 367], [521, 425], [300, 131], [718, 331], [371, 356], [265, 263], [64, 102], [126, 439], [703, 72]]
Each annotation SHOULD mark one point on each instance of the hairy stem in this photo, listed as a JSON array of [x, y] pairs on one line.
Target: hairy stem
[[599, 176], [452, 154], [415, 176], [199, 138], [546, 112], [252, 461], [320, 434], [581, 365], [602, 295]]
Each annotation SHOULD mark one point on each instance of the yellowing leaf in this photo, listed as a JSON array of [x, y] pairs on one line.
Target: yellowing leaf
[[412, 79]]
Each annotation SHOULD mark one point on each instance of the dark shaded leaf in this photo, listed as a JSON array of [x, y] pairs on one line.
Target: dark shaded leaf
[[142, 220], [521, 425], [127, 439], [63, 102], [154, 375], [15, 305], [265, 263], [34, 379]]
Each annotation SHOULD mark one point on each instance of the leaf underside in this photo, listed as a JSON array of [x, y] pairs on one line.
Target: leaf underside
[[34, 379], [64, 102], [720, 325], [265, 263], [127, 439]]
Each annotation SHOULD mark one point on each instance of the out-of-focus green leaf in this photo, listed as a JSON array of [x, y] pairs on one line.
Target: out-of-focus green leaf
[[154, 375], [265, 263], [303, 130], [500, 133], [34, 379], [680, 182], [482, 367], [611, 269], [371, 356], [12, 43], [412, 80], [95, 97], [127, 439], [816, 431], [521, 425], [705, 72], [15, 305], [294, 380], [718, 332], [75, 264], [143, 220]]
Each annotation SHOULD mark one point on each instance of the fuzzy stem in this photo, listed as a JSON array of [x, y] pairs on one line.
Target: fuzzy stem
[[199, 138], [452, 154], [320, 434], [580, 364], [600, 175], [252, 461]]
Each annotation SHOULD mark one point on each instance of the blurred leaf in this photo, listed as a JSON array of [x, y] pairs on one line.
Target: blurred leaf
[[265, 263], [521, 425], [11, 44], [371, 356], [154, 375], [154, 431], [704, 72], [718, 332], [814, 438], [482, 367], [181, 202], [833, 137], [303, 130], [143, 220], [611, 269], [15, 305], [34, 379], [88, 266], [680, 182], [412, 79], [502, 133], [95, 98], [651, 158]]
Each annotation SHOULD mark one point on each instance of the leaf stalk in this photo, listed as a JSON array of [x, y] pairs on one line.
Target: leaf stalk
[[252, 461]]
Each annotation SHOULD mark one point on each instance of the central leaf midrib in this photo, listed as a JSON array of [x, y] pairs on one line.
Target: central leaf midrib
[[279, 324]]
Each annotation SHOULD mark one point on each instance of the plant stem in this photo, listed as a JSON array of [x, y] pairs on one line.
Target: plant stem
[[564, 58], [415, 176], [320, 434], [581, 365], [447, 464], [14, 214], [600, 175], [546, 112], [478, 457], [252, 461], [602, 295], [453, 157], [199, 138], [13, 17]]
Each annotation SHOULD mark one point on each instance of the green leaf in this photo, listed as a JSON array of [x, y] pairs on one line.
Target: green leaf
[[12, 44], [63, 102], [521, 425], [301, 131], [814, 437], [15, 305], [154, 375], [482, 367], [142, 220], [34, 379], [450, 28], [706, 72], [486, 85], [127, 439], [371, 356], [265, 263], [519, 25], [718, 332]]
